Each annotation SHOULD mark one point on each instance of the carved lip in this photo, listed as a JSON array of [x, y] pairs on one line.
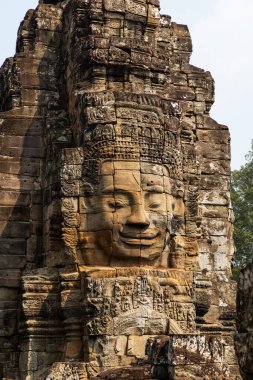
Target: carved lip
[[132, 238]]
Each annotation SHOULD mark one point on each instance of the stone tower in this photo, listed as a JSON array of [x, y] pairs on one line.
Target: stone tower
[[115, 208]]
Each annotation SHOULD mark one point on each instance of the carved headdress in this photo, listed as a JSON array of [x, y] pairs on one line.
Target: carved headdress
[[131, 127]]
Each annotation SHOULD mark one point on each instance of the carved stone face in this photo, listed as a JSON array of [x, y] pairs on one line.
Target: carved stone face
[[131, 211]]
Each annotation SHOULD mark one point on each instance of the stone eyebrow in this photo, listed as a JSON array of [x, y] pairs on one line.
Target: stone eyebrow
[[113, 189], [154, 189], [149, 189], [108, 190]]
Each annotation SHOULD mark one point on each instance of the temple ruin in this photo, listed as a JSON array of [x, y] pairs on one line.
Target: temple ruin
[[116, 221]]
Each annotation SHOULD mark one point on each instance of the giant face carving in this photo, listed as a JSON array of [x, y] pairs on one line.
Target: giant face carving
[[131, 211]]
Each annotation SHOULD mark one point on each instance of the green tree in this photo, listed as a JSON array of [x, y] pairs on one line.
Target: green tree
[[242, 198]]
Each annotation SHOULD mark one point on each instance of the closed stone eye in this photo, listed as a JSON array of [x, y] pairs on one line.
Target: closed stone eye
[[120, 204], [154, 205], [116, 204]]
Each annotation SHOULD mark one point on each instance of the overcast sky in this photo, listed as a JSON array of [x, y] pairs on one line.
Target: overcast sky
[[223, 44]]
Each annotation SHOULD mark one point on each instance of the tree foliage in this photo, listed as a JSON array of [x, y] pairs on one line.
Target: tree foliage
[[242, 198]]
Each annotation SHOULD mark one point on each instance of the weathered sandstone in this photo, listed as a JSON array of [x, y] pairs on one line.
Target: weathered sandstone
[[116, 223]]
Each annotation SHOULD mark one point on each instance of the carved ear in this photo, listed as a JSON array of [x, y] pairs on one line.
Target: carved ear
[[86, 189], [176, 256], [177, 225], [86, 204]]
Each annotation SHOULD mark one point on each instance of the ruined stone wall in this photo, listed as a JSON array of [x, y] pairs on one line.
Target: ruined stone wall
[[110, 81], [33, 124], [244, 338]]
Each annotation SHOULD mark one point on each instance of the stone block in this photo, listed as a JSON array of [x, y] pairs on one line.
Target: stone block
[[35, 345], [219, 152], [12, 261], [9, 279], [118, 55], [101, 115], [213, 211], [105, 346], [215, 167], [141, 59], [117, 6], [12, 246], [15, 229], [216, 136], [136, 345], [14, 213], [23, 152], [25, 167], [136, 8], [20, 141], [153, 16], [16, 182], [216, 197], [19, 127], [14, 198], [215, 227], [73, 350], [121, 345]]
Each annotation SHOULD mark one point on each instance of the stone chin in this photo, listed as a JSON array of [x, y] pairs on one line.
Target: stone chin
[[127, 248], [143, 253], [146, 246]]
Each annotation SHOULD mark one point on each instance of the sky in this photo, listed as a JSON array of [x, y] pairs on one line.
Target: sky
[[222, 37]]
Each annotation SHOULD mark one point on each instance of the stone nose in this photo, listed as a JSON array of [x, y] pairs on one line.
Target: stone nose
[[138, 217]]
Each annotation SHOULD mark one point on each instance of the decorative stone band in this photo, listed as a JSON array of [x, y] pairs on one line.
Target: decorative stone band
[[167, 106], [137, 301], [144, 150]]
